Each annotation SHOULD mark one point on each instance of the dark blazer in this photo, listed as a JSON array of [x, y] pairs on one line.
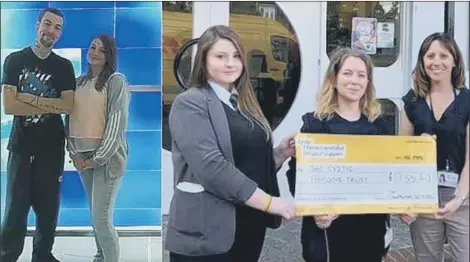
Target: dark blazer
[[203, 222]]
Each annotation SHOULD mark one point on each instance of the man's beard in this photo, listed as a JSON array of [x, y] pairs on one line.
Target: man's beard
[[46, 41]]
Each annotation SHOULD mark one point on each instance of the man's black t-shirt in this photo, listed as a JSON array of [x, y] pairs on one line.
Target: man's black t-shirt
[[43, 77]]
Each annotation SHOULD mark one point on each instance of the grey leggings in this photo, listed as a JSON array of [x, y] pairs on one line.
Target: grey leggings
[[101, 191]]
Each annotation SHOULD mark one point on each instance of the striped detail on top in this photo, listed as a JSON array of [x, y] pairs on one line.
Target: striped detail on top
[[111, 135]]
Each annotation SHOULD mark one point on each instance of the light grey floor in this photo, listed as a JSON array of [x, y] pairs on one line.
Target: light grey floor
[[82, 249]]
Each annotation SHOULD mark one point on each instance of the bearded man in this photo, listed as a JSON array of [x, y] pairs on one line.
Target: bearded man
[[38, 86]]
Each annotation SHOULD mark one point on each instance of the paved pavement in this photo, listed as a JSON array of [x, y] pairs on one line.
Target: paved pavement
[[82, 249], [283, 245]]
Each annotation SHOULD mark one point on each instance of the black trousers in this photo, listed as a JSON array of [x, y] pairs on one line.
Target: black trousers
[[33, 180], [249, 239]]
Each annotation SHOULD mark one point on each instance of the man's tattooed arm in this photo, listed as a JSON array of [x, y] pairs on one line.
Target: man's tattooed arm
[[15, 107], [62, 105]]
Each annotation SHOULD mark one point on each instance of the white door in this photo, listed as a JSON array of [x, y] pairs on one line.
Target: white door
[[274, 35], [462, 32]]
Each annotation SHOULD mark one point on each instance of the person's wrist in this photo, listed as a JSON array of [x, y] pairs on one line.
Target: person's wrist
[[460, 197], [278, 153], [267, 204], [284, 157]]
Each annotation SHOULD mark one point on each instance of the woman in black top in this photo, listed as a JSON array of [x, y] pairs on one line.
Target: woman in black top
[[346, 104], [224, 162], [438, 105]]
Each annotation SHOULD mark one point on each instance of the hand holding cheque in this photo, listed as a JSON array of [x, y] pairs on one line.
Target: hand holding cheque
[[347, 174], [450, 207]]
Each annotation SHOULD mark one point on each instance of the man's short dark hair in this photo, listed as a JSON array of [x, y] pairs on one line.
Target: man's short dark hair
[[52, 10]]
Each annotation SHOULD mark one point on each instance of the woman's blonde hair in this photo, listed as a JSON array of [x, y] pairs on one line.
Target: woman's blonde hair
[[327, 96], [421, 80], [248, 103]]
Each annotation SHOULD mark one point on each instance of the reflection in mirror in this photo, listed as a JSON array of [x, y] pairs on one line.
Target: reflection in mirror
[[386, 32], [177, 30], [272, 55], [182, 61]]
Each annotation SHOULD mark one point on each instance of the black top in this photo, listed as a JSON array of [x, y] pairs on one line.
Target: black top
[[350, 237], [450, 129], [253, 154], [44, 77]]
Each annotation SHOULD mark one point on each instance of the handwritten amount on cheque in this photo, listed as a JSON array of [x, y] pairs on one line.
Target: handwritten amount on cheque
[[343, 174], [331, 181]]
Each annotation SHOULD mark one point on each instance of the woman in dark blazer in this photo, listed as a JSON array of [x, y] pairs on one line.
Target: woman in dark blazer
[[225, 166]]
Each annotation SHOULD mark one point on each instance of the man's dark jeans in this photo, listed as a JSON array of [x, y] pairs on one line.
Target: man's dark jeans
[[33, 180]]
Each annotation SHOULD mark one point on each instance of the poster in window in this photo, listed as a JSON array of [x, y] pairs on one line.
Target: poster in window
[[385, 35], [363, 36]]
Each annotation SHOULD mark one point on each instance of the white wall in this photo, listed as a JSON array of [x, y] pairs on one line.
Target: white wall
[[427, 18], [462, 32]]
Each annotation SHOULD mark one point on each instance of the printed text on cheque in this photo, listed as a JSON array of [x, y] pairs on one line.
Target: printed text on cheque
[[351, 174]]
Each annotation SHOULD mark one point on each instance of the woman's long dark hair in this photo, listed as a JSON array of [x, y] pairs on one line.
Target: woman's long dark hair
[[109, 66], [421, 80]]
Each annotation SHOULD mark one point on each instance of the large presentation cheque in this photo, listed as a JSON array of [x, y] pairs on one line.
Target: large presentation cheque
[[351, 174]]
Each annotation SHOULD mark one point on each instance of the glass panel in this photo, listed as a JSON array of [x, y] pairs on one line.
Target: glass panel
[[381, 39], [139, 60], [272, 54], [177, 30], [390, 113]]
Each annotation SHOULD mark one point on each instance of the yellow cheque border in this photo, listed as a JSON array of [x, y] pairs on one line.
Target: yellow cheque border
[[369, 149], [342, 209]]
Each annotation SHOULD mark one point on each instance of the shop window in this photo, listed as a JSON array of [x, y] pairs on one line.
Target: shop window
[[390, 113], [272, 54], [177, 30], [372, 27]]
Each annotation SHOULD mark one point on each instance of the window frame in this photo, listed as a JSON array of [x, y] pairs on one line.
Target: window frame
[[401, 29]]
